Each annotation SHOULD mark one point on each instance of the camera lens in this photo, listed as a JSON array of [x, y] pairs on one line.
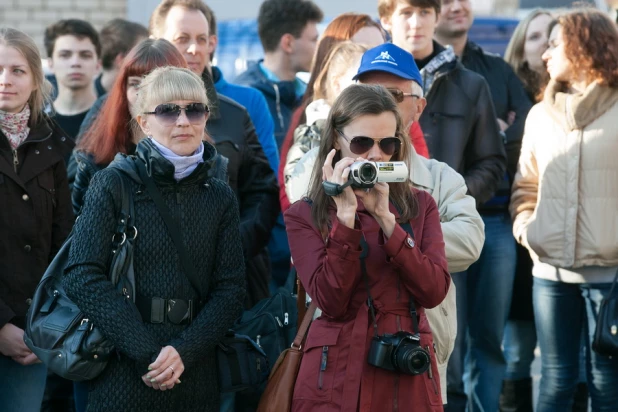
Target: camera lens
[[412, 359], [367, 173]]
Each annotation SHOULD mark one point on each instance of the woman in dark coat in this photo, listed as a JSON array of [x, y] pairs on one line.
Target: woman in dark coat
[[35, 207], [169, 366], [111, 132], [326, 239]]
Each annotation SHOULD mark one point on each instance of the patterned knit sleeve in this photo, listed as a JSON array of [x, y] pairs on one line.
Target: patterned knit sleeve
[[225, 301], [86, 281]]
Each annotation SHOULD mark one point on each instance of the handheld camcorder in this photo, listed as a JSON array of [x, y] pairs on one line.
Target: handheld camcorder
[[364, 175], [400, 352]]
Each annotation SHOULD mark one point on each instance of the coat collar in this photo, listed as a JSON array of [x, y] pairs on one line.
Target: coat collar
[[577, 110], [161, 169], [419, 173]]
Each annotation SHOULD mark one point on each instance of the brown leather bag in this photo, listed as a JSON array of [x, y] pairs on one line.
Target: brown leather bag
[[278, 394]]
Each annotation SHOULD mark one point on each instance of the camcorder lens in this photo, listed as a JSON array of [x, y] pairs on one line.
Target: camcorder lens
[[367, 173]]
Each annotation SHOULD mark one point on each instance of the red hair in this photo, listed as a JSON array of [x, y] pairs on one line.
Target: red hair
[[112, 130]]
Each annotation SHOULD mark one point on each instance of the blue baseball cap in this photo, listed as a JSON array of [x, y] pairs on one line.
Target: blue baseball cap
[[390, 59]]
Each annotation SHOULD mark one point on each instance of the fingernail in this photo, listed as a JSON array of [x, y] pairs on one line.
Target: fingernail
[[164, 384], [177, 380], [149, 368], [153, 380], [147, 376]]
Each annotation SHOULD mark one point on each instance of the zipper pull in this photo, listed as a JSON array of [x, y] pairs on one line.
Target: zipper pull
[[429, 370], [257, 340], [324, 358], [258, 364], [279, 321], [15, 160], [286, 319]]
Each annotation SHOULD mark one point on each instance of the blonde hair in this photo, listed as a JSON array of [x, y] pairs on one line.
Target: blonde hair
[[337, 63], [514, 56], [40, 94], [165, 84]]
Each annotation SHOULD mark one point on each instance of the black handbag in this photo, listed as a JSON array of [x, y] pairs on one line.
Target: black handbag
[[57, 331], [605, 340], [241, 363], [271, 323]]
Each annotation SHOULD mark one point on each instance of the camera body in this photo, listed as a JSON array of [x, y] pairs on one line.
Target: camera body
[[400, 352], [364, 175]]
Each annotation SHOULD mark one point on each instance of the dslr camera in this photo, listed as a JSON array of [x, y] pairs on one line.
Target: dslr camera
[[400, 352], [364, 175]]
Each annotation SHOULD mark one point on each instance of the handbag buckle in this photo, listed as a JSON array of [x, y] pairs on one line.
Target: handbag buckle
[[86, 320]]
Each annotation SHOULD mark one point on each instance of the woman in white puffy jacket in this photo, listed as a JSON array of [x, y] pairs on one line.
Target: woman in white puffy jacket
[[565, 205]]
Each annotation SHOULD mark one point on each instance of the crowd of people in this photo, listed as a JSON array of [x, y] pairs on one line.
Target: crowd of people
[[499, 236]]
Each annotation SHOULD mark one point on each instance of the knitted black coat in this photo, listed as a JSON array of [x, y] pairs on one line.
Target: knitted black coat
[[209, 224]]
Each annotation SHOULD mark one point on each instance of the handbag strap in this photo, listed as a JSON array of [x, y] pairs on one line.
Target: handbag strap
[[611, 291], [304, 326], [172, 225], [126, 217]]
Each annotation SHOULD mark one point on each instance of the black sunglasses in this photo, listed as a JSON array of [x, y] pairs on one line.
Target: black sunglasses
[[362, 144], [399, 95], [168, 113]]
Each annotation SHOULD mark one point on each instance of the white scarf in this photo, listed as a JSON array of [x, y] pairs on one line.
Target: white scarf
[[183, 165]]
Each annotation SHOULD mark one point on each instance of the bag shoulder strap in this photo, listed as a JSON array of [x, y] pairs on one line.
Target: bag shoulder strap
[[172, 225], [301, 334], [127, 212]]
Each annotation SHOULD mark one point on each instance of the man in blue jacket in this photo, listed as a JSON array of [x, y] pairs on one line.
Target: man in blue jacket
[[289, 35]]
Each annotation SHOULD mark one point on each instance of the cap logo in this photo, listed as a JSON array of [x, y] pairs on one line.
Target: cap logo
[[384, 57]]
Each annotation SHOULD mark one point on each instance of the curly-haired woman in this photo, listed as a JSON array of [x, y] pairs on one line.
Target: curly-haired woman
[[564, 205]]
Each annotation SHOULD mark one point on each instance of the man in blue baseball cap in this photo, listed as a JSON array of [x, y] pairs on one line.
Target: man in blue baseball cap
[[395, 69]]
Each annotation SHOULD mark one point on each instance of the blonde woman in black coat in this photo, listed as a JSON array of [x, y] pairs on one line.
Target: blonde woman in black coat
[[35, 211]]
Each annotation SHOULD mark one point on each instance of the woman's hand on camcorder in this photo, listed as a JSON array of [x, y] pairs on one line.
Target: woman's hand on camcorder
[[346, 201]]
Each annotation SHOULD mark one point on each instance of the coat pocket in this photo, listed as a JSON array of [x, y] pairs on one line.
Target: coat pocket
[[431, 377], [47, 192], [318, 368]]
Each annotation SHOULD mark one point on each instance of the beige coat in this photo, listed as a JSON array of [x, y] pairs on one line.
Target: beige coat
[[462, 228], [565, 195]]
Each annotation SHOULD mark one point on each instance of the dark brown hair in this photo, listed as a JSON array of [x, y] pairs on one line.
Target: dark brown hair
[[387, 7], [591, 45], [72, 27], [118, 37], [279, 17], [355, 101]]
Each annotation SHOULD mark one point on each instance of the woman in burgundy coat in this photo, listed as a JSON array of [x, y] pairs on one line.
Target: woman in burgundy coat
[[327, 236]]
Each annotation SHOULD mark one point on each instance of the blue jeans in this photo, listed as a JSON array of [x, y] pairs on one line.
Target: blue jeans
[[21, 387], [519, 344], [477, 366], [563, 311]]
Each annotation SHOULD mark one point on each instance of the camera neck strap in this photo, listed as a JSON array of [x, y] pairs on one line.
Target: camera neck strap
[[364, 253]]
